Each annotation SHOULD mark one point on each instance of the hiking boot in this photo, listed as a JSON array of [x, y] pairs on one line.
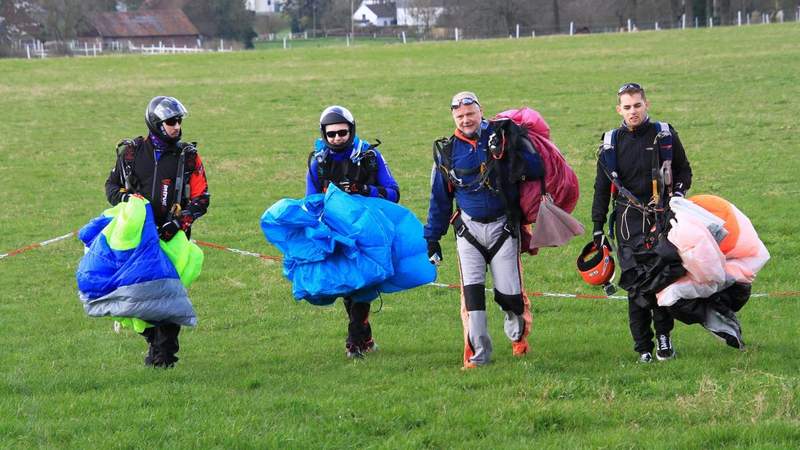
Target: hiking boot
[[520, 348], [353, 351], [664, 351], [645, 357]]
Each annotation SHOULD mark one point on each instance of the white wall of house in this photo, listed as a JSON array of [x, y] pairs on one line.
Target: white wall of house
[[363, 15], [366, 16], [262, 6]]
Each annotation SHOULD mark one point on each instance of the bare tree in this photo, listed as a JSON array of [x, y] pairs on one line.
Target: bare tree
[[66, 19], [556, 18]]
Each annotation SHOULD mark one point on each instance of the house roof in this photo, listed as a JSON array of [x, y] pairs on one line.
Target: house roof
[[163, 22], [383, 9]]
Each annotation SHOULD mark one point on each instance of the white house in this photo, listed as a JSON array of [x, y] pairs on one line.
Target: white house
[[376, 13], [263, 6], [419, 13]]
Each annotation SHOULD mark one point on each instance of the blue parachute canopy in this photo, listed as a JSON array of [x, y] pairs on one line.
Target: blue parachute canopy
[[128, 272], [335, 244]]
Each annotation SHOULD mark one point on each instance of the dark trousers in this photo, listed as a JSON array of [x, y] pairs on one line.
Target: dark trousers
[[163, 341], [359, 332], [639, 319]]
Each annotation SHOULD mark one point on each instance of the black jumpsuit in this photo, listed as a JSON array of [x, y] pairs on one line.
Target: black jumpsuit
[[635, 151]]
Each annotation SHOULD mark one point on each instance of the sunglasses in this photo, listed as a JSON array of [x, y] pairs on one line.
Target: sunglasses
[[629, 87], [464, 101], [340, 133], [173, 120]]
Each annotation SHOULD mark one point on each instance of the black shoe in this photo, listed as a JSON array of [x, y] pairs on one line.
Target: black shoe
[[353, 351], [645, 358], [664, 350]]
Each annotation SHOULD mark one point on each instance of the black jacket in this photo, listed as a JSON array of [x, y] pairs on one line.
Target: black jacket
[[634, 151], [155, 180]]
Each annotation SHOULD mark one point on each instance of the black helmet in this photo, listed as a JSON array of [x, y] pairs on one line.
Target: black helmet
[[337, 114], [160, 109]]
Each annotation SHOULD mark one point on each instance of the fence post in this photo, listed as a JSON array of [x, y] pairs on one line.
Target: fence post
[[517, 31], [348, 39], [738, 18], [683, 21], [629, 25], [710, 22], [571, 28], [533, 34], [696, 22], [85, 49], [28, 50], [656, 26], [456, 34], [404, 37], [284, 43], [94, 50]]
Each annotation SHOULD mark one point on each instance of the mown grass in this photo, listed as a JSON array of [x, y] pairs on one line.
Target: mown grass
[[264, 371]]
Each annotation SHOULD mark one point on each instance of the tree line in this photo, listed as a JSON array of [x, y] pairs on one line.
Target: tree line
[[63, 20]]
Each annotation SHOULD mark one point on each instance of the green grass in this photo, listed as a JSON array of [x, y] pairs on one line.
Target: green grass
[[263, 371]]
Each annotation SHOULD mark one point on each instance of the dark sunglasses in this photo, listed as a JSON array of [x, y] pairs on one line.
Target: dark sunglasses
[[173, 120], [340, 133], [464, 101], [629, 87]]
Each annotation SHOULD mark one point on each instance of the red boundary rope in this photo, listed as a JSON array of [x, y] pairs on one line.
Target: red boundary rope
[[786, 294]]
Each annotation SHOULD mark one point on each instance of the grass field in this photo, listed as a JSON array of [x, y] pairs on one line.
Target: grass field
[[261, 371]]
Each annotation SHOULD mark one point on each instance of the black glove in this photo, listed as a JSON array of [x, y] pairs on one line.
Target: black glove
[[168, 230], [599, 239], [434, 252], [351, 187]]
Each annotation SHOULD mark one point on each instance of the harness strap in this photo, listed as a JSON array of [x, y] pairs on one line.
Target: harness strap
[[462, 230]]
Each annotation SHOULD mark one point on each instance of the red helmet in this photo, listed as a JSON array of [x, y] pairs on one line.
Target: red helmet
[[596, 266]]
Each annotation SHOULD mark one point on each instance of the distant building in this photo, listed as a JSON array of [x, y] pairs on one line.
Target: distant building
[[166, 26], [419, 13], [376, 13], [263, 6]]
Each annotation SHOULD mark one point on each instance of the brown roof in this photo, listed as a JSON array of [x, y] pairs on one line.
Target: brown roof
[[163, 22]]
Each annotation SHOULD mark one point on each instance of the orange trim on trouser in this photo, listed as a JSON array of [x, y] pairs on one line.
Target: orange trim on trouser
[[527, 315], [468, 350]]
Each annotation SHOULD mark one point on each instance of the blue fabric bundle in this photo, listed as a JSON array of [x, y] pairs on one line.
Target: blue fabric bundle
[[125, 272], [336, 244]]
